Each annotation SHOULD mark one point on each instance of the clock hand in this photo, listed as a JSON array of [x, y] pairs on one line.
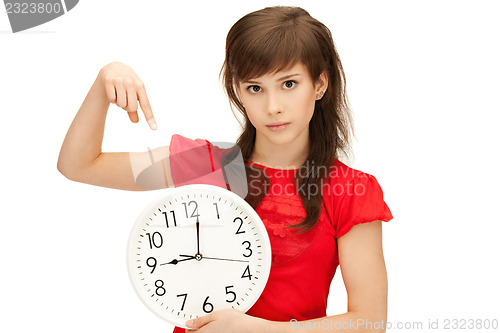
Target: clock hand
[[225, 259], [198, 234], [184, 255], [175, 261]]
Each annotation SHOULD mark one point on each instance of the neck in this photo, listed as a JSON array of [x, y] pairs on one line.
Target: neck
[[281, 156]]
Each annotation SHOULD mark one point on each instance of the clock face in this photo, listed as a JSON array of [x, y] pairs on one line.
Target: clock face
[[198, 249]]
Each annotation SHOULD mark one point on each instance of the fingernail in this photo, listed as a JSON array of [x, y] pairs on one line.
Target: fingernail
[[152, 123], [190, 322]]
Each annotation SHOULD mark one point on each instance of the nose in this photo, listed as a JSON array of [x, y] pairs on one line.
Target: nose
[[274, 104]]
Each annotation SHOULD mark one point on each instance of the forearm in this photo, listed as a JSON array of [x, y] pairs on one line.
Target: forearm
[[83, 141], [346, 322]]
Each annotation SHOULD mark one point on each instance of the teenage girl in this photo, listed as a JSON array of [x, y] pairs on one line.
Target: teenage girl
[[283, 73]]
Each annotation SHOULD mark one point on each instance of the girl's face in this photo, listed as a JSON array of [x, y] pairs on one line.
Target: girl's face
[[281, 105]]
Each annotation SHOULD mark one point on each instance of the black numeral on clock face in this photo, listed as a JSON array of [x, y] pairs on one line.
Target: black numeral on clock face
[[246, 273], [194, 213], [155, 240], [151, 262], [184, 301], [241, 224], [160, 291], [248, 248], [229, 292], [166, 218], [207, 306]]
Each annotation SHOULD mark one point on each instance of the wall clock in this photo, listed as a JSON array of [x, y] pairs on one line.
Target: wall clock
[[197, 249]]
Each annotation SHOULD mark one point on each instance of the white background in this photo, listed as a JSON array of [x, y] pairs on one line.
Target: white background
[[423, 81]]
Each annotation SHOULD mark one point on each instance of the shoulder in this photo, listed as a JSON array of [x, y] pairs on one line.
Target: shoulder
[[181, 143], [192, 149], [342, 170], [342, 174], [353, 197], [347, 183]]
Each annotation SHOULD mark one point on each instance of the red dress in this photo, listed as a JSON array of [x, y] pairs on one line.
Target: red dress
[[303, 265]]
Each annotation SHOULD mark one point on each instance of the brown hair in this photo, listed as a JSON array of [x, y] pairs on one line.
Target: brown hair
[[275, 39]]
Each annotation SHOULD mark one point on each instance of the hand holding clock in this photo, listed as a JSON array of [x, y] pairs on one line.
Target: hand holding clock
[[228, 321]]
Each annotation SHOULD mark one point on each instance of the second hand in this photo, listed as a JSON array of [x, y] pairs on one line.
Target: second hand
[[185, 255]]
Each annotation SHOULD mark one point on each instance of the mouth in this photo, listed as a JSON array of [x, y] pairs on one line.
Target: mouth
[[278, 126]]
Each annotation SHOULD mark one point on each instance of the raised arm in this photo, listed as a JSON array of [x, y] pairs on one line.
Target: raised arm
[[81, 158]]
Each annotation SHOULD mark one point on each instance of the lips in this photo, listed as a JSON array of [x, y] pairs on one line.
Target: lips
[[277, 126]]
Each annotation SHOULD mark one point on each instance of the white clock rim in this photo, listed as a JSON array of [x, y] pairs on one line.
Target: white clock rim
[[154, 204]]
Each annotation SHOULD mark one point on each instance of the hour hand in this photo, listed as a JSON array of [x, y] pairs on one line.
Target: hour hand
[[175, 261]]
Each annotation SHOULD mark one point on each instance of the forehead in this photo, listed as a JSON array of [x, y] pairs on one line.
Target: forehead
[[297, 69]]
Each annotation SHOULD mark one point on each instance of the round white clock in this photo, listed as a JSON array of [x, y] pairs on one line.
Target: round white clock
[[197, 249]]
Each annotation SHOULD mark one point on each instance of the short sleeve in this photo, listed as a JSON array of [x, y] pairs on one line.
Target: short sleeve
[[195, 162], [361, 201], [201, 162]]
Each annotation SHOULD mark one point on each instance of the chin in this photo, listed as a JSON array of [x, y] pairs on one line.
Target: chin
[[281, 138]]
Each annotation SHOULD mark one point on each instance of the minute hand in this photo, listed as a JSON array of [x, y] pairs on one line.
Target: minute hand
[[198, 234]]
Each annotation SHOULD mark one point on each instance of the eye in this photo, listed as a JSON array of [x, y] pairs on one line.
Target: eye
[[290, 84], [252, 89]]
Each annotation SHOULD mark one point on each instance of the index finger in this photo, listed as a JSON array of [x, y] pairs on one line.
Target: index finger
[[146, 107]]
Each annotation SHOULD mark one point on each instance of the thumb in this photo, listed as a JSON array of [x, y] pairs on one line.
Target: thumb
[[199, 322]]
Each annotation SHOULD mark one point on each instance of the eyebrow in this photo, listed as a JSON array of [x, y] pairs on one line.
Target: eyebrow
[[280, 79]]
